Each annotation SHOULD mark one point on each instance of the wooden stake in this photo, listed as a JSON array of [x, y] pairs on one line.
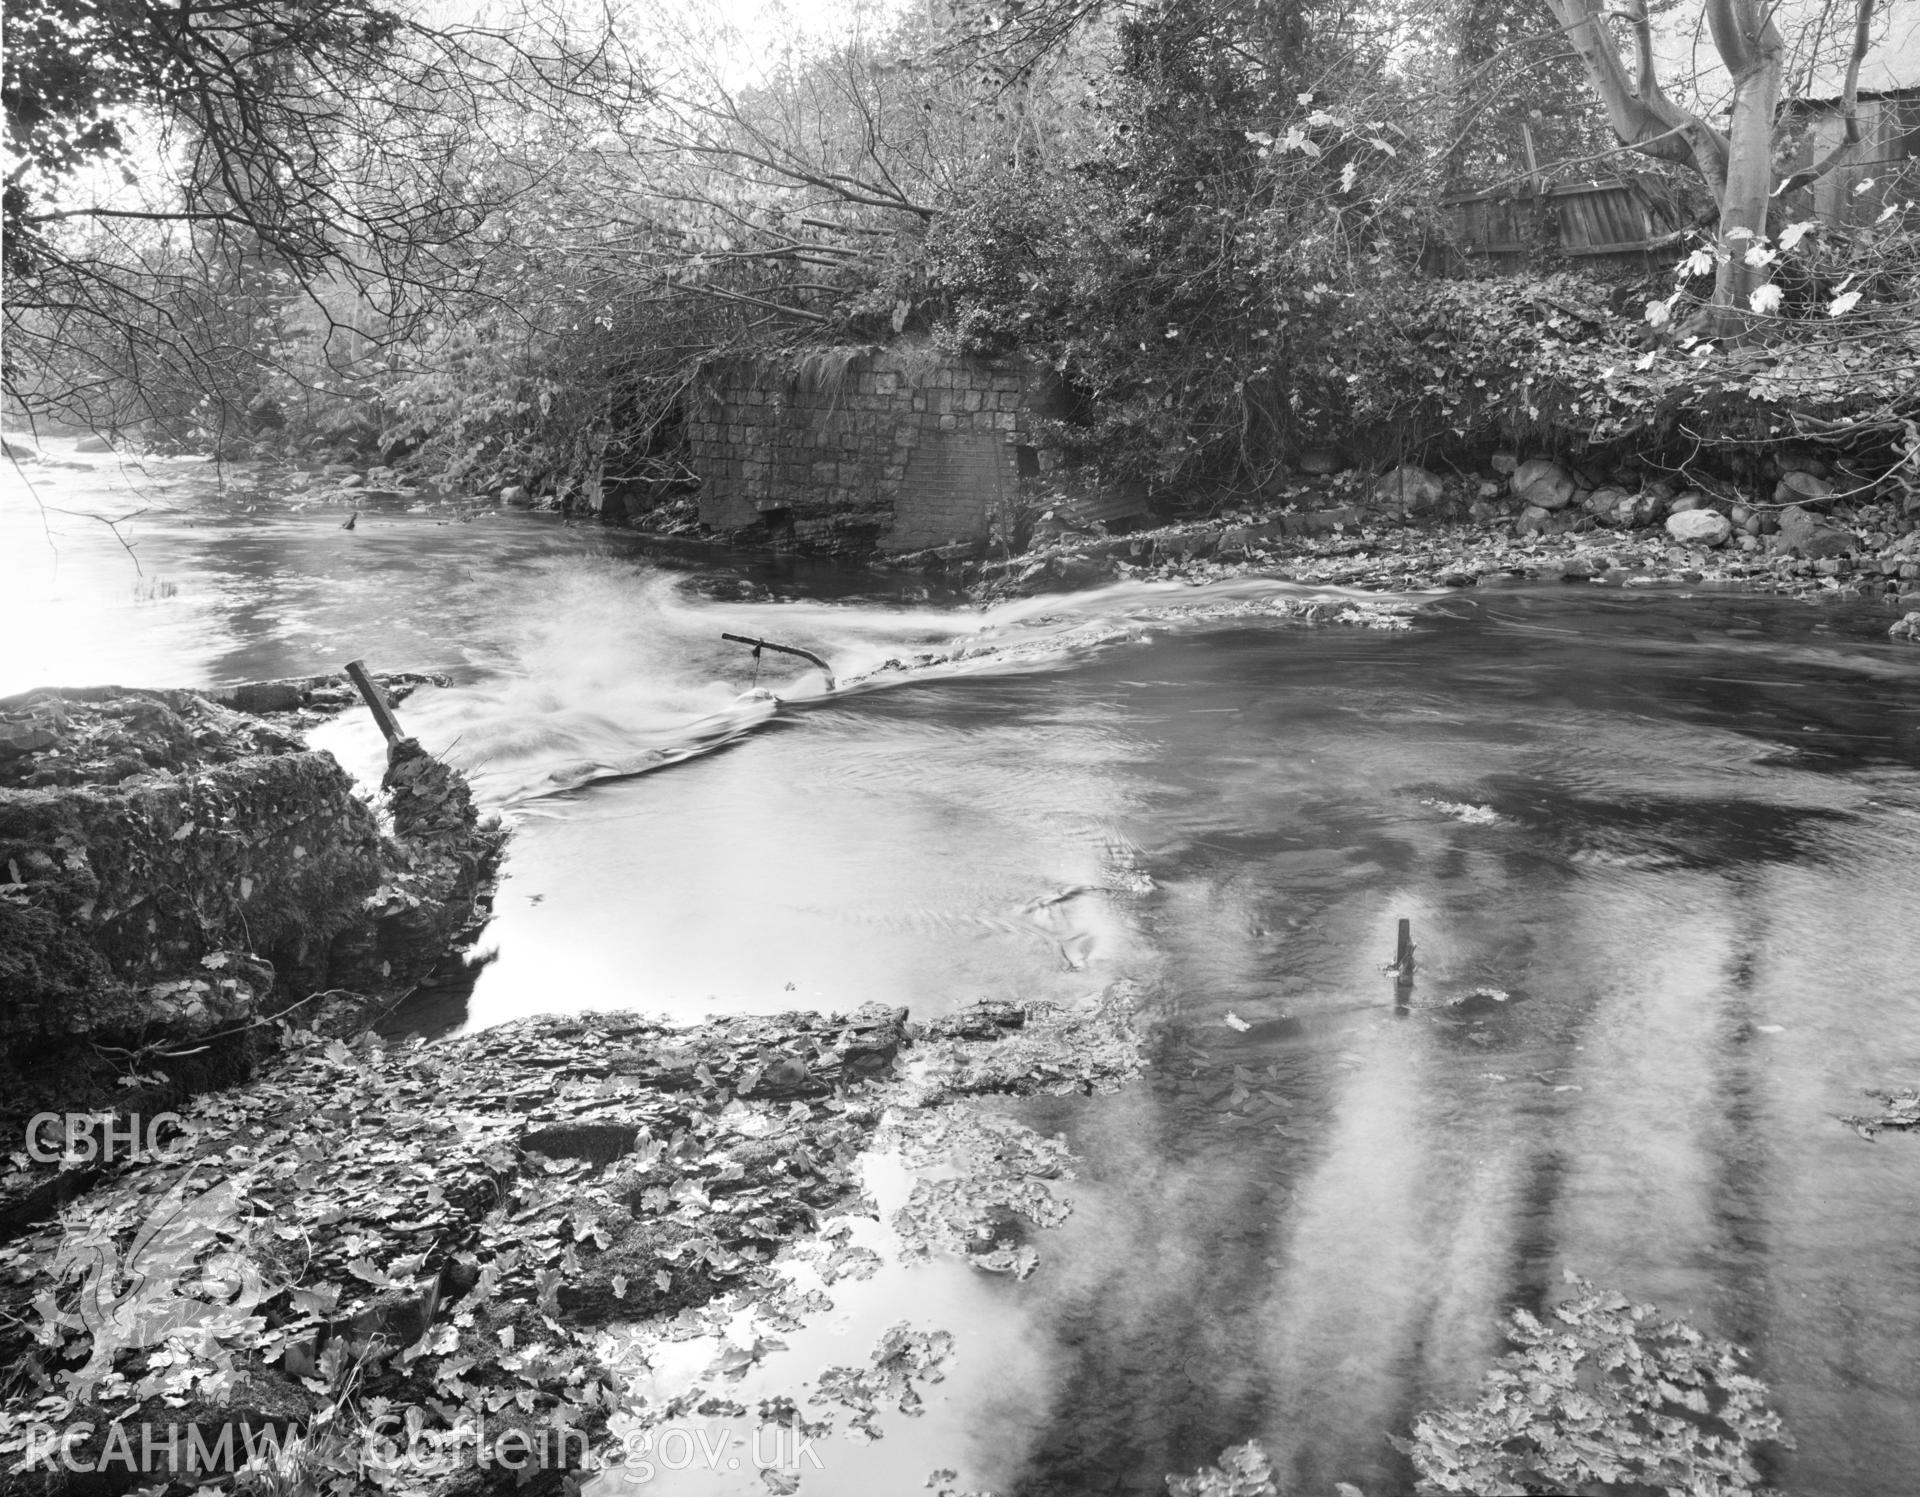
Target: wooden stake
[[1402, 969], [767, 644], [376, 702]]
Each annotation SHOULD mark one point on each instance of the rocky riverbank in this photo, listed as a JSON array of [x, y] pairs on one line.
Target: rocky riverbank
[[1539, 520], [1788, 521], [182, 873]]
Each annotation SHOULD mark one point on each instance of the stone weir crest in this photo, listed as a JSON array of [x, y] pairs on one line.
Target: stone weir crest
[[861, 448]]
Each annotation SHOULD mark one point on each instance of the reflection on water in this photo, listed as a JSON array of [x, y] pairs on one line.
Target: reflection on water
[[1678, 834]]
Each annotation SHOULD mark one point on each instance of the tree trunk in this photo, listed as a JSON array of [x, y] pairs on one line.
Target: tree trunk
[[1750, 44], [1641, 114]]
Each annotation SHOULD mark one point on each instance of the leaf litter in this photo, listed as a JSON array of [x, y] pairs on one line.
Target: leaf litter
[[505, 1227], [1603, 1393]]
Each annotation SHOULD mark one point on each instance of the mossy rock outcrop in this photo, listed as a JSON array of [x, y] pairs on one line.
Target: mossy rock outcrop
[[175, 875]]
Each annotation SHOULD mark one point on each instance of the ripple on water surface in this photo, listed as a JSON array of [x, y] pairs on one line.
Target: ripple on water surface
[[1665, 844]]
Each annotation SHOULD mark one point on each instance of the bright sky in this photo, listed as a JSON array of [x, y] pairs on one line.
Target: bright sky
[[731, 40], [1818, 34], [737, 37]]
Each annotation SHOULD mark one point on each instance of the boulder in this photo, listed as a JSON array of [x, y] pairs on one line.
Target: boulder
[[1642, 509], [1322, 522], [1802, 488], [1906, 628], [1503, 463], [1805, 534], [1700, 527], [1534, 520], [1604, 503], [1689, 501], [1080, 571], [1544, 483], [516, 494], [1411, 488], [17, 738], [16, 449]]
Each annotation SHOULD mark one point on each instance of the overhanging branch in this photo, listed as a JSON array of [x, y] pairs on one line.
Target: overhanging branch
[[1849, 106]]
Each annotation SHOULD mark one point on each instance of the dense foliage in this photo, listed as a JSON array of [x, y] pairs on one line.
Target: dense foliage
[[504, 257], [1572, 361], [1175, 276], [203, 194]]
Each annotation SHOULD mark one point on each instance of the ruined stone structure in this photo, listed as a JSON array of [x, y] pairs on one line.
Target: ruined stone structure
[[851, 449]]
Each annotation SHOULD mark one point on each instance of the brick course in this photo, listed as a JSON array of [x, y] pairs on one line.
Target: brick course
[[889, 448]]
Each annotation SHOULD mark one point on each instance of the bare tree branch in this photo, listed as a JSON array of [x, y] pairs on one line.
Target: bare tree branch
[[1849, 106]]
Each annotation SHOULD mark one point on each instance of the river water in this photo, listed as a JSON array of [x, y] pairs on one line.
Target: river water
[[1678, 830]]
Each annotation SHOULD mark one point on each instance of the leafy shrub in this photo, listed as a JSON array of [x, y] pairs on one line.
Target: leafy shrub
[[1478, 361], [1168, 276]]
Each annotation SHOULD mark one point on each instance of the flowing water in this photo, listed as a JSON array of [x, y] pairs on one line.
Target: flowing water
[[1679, 832]]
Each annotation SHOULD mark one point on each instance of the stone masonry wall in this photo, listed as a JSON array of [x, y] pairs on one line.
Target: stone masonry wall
[[854, 449]]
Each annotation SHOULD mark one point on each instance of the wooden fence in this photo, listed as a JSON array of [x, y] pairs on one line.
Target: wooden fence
[[1627, 222], [1612, 222]]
